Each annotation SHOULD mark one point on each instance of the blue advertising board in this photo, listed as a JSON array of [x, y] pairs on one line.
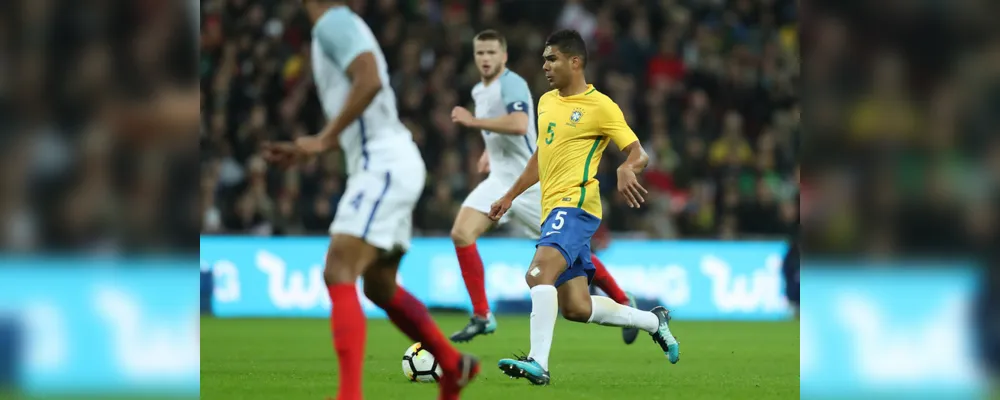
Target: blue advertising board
[[102, 328], [283, 277], [888, 333]]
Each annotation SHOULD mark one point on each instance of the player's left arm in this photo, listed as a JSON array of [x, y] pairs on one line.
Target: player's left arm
[[517, 98], [613, 124], [351, 48], [637, 158]]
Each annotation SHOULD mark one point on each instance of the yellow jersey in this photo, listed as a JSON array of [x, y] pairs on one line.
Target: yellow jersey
[[573, 133]]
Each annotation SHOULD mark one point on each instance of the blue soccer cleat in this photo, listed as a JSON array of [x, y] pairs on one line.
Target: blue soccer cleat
[[663, 337], [477, 326], [629, 334], [524, 367]]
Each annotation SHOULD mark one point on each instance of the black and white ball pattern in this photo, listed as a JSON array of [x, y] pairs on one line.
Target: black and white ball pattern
[[420, 366]]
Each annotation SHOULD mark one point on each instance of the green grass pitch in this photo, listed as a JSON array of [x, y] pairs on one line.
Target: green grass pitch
[[293, 359]]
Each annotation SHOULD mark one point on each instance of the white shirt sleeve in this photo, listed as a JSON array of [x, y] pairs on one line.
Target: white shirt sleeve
[[340, 36]]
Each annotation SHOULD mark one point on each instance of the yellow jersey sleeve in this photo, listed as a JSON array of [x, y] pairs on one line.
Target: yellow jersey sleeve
[[612, 124]]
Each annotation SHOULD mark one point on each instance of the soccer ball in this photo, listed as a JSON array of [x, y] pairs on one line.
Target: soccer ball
[[419, 365]]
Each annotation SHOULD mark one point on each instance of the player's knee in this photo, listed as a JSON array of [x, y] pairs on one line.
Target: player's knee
[[347, 258], [378, 292], [462, 236], [545, 267], [380, 285], [575, 312], [335, 274], [340, 269], [538, 274], [533, 280]]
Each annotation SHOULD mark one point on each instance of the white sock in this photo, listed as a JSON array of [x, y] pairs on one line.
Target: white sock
[[544, 311], [605, 311]]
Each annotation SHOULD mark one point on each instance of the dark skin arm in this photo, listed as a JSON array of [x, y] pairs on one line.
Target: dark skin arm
[[365, 85]]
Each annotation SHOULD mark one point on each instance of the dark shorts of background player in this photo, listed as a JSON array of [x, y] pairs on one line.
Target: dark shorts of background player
[[790, 269], [569, 230]]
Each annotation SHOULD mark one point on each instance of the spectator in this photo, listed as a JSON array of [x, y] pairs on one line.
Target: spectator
[[731, 149], [709, 89]]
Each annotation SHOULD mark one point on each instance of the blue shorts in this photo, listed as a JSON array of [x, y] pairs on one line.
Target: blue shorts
[[569, 230]]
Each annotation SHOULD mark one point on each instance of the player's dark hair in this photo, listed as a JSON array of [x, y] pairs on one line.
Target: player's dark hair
[[491, 34], [570, 43]]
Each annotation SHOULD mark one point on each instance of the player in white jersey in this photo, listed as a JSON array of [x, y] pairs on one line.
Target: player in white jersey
[[373, 224], [505, 115]]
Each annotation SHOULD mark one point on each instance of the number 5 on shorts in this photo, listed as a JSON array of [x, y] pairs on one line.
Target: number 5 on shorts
[[559, 221]]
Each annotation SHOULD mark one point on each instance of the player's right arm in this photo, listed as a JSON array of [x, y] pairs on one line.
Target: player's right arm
[[516, 97], [527, 179], [512, 123]]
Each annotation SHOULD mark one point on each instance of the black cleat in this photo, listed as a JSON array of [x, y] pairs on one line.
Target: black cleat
[[477, 326]]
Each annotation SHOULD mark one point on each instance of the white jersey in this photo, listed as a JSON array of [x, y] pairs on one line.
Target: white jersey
[[508, 154], [377, 139], [385, 171]]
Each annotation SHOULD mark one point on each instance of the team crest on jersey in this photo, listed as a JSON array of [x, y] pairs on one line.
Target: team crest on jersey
[[575, 117]]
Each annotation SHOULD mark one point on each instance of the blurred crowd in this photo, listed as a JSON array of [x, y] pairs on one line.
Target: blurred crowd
[[710, 87], [98, 115], [904, 156]]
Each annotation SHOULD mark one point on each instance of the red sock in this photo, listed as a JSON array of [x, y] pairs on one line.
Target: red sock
[[347, 321], [603, 280], [472, 273], [411, 317]]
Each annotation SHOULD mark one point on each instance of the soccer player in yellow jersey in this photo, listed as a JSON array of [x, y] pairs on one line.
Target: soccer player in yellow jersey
[[575, 124]]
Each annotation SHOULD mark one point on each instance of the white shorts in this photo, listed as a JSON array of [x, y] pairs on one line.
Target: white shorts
[[525, 211], [377, 206]]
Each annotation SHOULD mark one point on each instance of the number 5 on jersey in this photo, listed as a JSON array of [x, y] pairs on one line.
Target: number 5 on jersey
[[558, 222], [551, 133]]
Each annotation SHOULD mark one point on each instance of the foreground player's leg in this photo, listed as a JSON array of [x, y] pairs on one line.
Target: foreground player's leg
[[412, 317], [469, 226], [545, 267], [544, 311], [346, 259], [578, 305], [574, 300], [604, 281]]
